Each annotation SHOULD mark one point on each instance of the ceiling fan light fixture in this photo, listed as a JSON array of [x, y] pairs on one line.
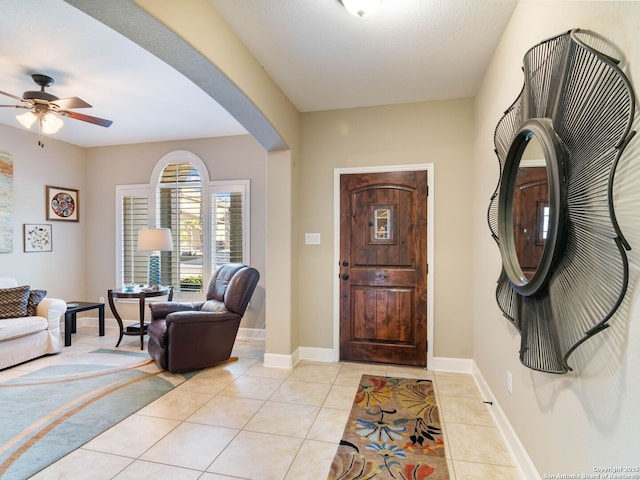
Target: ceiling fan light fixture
[[27, 119], [360, 8], [51, 123]]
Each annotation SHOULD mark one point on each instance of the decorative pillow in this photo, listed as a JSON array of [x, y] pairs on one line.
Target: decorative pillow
[[13, 301], [34, 299]]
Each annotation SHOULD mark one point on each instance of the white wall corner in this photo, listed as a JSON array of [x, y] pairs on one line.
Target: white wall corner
[[523, 462]]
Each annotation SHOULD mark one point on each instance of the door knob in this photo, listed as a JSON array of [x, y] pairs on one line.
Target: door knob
[[345, 263], [345, 276]]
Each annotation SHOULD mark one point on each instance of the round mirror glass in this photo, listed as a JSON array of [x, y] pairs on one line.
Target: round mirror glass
[[531, 207]]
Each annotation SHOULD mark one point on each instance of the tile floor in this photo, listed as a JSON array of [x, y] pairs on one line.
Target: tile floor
[[245, 421]]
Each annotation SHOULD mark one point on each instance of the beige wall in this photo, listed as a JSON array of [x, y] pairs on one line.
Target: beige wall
[[439, 133], [227, 158], [60, 272], [202, 27], [569, 424]]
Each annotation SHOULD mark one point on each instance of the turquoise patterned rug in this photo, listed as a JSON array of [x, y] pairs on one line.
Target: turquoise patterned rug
[[49, 413]]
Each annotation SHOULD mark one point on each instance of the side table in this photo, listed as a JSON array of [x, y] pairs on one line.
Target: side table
[[142, 294], [70, 318]]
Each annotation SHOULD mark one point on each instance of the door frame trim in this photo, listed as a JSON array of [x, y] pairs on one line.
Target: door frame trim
[[337, 172]]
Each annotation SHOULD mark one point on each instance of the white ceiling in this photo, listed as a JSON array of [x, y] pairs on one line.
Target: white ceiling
[[320, 56]]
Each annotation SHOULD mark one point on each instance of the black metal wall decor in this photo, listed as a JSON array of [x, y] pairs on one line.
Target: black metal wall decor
[[565, 268]]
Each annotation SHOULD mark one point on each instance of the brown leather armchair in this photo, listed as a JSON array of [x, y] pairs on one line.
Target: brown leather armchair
[[190, 336]]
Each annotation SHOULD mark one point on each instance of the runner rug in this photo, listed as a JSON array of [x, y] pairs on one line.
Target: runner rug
[[48, 413], [393, 432]]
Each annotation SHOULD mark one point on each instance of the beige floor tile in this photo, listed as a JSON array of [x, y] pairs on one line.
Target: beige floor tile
[[314, 372], [209, 382], [313, 461], [223, 411], [329, 425], [477, 443], [409, 372], [193, 431], [351, 373], [176, 405], [141, 469], [190, 445], [257, 456], [215, 476], [81, 464], [239, 367], [303, 393], [252, 387], [258, 370], [133, 436], [341, 397], [465, 410], [480, 471], [456, 384], [283, 419]]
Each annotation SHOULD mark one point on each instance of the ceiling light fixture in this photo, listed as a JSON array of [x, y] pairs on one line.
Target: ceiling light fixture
[[360, 8], [48, 122]]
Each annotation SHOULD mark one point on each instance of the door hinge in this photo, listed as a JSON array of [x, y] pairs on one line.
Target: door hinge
[[427, 190], [426, 345]]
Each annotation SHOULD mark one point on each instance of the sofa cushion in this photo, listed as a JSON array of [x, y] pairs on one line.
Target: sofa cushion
[[35, 296], [19, 327], [14, 301]]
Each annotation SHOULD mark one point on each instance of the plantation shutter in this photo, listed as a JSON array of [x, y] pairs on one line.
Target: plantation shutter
[[180, 209], [229, 231], [134, 217]]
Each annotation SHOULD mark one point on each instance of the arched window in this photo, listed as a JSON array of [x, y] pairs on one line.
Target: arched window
[[209, 223]]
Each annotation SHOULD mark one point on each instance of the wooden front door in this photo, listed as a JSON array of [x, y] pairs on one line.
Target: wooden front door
[[530, 217], [383, 267]]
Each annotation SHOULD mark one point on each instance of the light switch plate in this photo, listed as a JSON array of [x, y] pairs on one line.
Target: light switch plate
[[312, 238]]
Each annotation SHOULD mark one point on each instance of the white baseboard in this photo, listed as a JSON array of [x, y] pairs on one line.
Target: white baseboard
[[277, 360], [449, 364], [521, 457]]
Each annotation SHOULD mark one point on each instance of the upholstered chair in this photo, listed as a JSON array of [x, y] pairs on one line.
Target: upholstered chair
[[190, 336]]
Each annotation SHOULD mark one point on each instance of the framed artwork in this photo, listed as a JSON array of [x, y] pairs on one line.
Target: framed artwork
[[6, 203], [37, 238], [63, 204]]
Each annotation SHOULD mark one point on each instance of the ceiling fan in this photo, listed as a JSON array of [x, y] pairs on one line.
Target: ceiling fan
[[43, 106]]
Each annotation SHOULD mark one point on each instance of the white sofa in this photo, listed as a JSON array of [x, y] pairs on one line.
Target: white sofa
[[28, 337]]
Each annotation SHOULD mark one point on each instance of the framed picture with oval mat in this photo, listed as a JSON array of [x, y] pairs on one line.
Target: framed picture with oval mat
[[62, 204]]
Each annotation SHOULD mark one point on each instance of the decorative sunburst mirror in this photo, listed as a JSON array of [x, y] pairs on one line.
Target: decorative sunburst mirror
[[565, 267]]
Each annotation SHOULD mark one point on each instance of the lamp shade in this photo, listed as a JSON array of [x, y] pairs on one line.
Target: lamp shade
[[27, 119], [154, 239]]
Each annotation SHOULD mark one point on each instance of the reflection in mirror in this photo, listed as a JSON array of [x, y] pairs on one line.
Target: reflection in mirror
[[530, 208]]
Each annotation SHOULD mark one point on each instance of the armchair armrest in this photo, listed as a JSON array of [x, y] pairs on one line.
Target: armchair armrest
[[52, 309], [200, 317], [160, 310]]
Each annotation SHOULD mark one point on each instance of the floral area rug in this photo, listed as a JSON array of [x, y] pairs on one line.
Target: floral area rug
[[393, 432]]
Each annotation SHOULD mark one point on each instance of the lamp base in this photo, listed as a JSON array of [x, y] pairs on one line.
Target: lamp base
[[154, 270]]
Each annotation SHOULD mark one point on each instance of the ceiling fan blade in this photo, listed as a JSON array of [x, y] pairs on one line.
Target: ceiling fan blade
[[16, 106], [71, 102], [10, 95], [86, 118]]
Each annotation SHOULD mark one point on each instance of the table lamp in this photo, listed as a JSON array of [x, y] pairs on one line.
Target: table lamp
[[154, 240]]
